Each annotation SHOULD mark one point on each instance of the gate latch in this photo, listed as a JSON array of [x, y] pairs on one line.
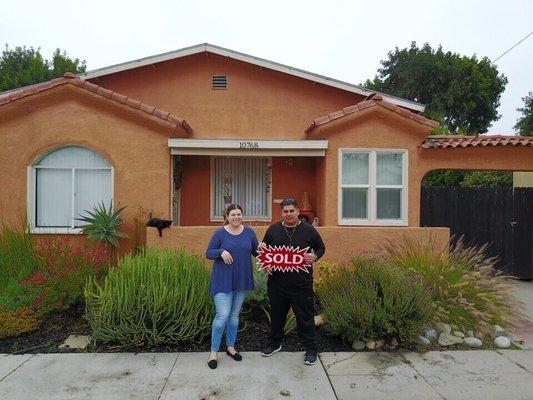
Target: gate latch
[[513, 224]]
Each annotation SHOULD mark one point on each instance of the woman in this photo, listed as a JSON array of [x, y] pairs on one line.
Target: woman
[[231, 248]]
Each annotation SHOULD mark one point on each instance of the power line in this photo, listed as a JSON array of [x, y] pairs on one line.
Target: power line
[[529, 34]]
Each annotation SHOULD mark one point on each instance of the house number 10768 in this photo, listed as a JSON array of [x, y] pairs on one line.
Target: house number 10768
[[249, 145]]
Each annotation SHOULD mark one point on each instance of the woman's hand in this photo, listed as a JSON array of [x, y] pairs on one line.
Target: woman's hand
[[226, 256]]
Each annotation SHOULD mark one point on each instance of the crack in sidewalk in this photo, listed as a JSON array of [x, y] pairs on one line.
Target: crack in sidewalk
[[406, 361], [24, 362], [168, 377]]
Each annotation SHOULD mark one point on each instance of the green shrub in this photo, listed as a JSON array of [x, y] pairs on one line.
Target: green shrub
[[372, 300], [151, 298], [467, 289], [18, 260], [17, 255]]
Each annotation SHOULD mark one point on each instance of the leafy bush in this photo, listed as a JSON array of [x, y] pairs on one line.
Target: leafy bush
[[370, 299], [151, 298], [467, 289], [37, 277]]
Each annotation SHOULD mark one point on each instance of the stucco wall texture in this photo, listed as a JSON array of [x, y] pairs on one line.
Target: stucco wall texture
[[135, 145], [260, 104], [341, 243]]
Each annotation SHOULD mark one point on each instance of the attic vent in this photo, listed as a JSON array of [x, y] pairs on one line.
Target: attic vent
[[220, 82]]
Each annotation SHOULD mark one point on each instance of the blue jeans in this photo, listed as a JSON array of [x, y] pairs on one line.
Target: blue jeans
[[228, 307]]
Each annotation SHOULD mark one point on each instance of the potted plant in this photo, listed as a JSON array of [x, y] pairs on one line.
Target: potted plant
[[227, 188]]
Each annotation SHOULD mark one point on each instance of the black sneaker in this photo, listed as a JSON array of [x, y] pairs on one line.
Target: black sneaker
[[270, 349], [310, 357]]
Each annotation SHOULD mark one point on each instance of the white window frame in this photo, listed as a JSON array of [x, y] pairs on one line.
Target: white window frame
[[218, 218], [32, 191], [372, 186]]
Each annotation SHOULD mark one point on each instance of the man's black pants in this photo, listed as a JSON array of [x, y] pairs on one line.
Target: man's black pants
[[300, 298]]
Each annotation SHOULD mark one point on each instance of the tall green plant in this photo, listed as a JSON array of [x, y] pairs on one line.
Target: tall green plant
[[102, 224], [18, 257], [151, 298]]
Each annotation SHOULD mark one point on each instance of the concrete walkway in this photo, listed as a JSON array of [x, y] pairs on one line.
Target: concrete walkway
[[475, 374], [435, 375]]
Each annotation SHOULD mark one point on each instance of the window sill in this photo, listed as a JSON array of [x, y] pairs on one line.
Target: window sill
[[245, 221], [390, 223], [55, 231]]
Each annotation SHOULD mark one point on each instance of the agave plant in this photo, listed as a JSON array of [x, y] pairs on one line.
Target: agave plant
[[102, 224]]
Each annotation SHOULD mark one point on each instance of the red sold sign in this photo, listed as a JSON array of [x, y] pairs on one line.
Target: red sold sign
[[283, 258]]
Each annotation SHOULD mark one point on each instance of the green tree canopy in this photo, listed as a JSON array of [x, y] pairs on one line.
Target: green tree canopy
[[524, 125], [23, 66], [462, 93]]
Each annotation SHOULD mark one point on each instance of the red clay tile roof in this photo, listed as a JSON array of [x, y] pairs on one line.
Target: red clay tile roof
[[372, 100], [435, 142], [71, 79]]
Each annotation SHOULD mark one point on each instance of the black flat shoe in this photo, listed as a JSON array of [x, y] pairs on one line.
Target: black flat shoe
[[212, 364], [236, 356]]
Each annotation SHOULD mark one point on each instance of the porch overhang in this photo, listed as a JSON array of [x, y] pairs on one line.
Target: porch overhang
[[248, 148]]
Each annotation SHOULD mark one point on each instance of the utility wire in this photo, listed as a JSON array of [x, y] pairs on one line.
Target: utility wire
[[529, 34]]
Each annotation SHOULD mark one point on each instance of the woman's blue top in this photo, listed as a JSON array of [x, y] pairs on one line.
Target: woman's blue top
[[238, 275]]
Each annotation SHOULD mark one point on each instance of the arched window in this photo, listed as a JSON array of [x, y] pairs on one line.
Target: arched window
[[66, 182]]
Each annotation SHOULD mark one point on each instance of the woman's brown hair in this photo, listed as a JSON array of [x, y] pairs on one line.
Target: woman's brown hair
[[230, 208]]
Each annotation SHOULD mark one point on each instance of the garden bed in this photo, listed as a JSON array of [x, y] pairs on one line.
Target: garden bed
[[60, 324]]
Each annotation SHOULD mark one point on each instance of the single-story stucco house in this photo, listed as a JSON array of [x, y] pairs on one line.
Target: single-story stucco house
[[178, 135]]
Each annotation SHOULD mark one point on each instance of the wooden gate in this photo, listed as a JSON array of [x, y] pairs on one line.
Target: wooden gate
[[501, 217]]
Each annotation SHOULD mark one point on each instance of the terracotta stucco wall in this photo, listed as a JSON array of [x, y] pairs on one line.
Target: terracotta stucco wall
[[341, 242], [135, 145], [374, 128], [260, 103], [291, 176]]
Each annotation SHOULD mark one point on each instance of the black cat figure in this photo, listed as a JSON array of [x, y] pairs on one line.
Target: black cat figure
[[160, 224]]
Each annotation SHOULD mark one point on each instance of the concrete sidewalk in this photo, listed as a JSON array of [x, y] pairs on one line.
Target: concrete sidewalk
[[473, 374]]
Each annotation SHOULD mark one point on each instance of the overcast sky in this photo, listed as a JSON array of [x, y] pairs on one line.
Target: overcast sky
[[341, 39]]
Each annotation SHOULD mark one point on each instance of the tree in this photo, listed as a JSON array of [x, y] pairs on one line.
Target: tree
[[463, 93], [524, 124], [23, 66]]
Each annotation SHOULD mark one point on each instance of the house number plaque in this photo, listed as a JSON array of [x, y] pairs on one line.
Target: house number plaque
[[249, 145]]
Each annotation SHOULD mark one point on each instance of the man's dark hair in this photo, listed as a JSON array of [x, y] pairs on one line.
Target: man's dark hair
[[289, 202]]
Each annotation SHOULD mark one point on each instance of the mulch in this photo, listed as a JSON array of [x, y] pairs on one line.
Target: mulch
[[59, 325]]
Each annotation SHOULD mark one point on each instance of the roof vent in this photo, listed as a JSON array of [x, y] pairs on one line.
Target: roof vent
[[220, 82]]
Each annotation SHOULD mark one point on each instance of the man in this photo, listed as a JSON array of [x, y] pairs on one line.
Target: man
[[293, 289]]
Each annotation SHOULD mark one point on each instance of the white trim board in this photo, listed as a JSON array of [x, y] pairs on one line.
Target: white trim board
[[248, 148], [209, 48]]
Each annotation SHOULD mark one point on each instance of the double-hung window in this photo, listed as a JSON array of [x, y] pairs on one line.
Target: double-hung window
[[373, 187], [65, 183], [245, 181]]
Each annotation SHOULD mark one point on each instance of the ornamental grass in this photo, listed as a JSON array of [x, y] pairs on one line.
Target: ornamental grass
[[155, 297], [467, 289]]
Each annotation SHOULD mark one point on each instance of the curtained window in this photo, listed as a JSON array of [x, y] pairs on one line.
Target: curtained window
[[245, 181], [373, 187], [67, 182]]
